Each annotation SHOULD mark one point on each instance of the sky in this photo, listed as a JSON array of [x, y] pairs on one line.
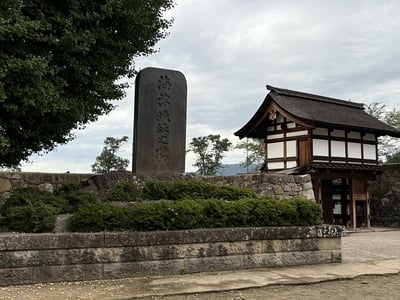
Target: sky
[[229, 50]]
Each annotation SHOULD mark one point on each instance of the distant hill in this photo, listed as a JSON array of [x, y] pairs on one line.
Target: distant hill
[[232, 169]]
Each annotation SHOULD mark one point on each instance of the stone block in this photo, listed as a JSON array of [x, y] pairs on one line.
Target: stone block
[[15, 276], [5, 185], [67, 273]]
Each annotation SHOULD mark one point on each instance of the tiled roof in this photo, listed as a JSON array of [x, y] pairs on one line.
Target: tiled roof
[[315, 110], [342, 166]]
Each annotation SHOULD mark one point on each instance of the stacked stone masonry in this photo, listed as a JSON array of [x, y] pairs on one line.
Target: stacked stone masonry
[[34, 258], [277, 186], [10, 181]]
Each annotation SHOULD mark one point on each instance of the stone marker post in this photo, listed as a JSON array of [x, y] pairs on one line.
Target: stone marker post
[[159, 135]]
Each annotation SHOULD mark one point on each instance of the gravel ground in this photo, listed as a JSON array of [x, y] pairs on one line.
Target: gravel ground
[[360, 288]]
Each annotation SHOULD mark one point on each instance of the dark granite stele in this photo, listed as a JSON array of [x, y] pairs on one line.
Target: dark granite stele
[[159, 137]]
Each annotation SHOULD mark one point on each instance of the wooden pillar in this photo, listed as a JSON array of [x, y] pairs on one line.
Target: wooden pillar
[[353, 212], [368, 223]]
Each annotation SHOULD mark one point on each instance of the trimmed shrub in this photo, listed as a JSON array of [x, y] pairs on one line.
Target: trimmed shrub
[[32, 210], [34, 217], [76, 198], [188, 214], [26, 196], [309, 212], [214, 212], [194, 189], [239, 212], [287, 213], [96, 216], [126, 191], [74, 195], [157, 190], [146, 217], [67, 188]]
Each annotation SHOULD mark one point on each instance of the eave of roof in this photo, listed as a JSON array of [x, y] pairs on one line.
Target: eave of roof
[[315, 110]]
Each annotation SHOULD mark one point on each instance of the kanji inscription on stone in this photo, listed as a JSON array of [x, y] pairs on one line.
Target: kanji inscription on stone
[[159, 134]]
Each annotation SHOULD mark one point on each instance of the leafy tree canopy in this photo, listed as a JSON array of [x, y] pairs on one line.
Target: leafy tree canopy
[[254, 151], [59, 62], [209, 151], [389, 147], [108, 160]]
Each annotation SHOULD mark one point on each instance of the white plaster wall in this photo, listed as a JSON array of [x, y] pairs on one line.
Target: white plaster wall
[[338, 149], [275, 150], [369, 151], [291, 149], [354, 150], [320, 147]]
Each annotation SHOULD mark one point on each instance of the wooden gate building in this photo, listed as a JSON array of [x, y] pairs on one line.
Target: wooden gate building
[[335, 141]]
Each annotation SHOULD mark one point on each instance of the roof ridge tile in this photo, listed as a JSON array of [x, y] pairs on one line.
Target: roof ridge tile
[[315, 97]]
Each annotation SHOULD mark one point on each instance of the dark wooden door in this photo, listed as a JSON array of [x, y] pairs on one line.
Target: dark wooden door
[[304, 152], [327, 202]]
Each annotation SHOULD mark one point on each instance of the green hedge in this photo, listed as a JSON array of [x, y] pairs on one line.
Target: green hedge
[[33, 210], [176, 190], [190, 214], [192, 204]]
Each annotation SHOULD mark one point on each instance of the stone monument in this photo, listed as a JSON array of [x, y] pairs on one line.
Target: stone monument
[[159, 135]]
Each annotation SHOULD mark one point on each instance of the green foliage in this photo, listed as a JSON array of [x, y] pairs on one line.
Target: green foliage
[[32, 210], [34, 217], [309, 212], [239, 213], [79, 197], [108, 160], [67, 188], [59, 63], [126, 191], [195, 189], [147, 217], [209, 150], [394, 158], [388, 147], [157, 190], [214, 212], [190, 214], [27, 196], [74, 195], [96, 216], [254, 151]]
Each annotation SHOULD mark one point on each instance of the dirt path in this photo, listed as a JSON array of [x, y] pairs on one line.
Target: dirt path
[[360, 288]]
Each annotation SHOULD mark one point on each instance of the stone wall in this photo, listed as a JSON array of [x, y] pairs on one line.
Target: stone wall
[[33, 258], [277, 186], [385, 197], [10, 181]]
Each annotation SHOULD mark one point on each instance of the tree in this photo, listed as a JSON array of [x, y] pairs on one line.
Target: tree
[[254, 151], [388, 146], [394, 159], [59, 62], [108, 160], [209, 150]]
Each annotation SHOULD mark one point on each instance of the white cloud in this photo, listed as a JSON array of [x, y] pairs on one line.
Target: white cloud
[[230, 49]]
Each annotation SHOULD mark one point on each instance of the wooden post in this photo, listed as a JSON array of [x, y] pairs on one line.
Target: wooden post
[[353, 212], [368, 223]]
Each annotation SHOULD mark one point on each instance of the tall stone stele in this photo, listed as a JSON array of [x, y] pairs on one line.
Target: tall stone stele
[[159, 136]]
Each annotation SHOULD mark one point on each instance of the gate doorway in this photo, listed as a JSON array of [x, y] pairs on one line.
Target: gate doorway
[[344, 201]]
